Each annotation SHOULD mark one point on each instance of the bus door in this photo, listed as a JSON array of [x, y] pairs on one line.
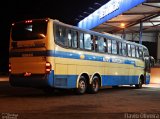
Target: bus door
[[147, 66]]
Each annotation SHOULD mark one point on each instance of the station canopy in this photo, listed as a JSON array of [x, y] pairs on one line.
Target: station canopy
[[118, 15]]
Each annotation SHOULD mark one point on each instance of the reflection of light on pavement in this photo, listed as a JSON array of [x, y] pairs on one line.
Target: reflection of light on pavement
[[155, 79], [153, 85], [4, 78], [155, 75]]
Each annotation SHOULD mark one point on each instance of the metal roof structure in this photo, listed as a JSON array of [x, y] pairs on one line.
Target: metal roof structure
[[147, 13]]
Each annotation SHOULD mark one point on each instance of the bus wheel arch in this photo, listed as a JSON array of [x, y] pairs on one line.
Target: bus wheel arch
[[99, 77], [140, 82], [142, 79], [95, 83], [82, 82]]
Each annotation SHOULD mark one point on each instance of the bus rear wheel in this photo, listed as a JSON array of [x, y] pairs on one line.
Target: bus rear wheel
[[94, 86], [82, 85], [139, 85]]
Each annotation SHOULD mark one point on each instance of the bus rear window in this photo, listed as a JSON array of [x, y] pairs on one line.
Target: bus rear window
[[32, 30]]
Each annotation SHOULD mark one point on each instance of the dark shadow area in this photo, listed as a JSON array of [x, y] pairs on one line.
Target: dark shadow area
[[6, 90]]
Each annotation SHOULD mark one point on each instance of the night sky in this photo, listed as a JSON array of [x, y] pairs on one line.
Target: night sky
[[15, 10]]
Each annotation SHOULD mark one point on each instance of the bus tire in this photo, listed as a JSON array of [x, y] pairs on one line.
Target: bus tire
[[82, 86], [139, 85], [94, 86]]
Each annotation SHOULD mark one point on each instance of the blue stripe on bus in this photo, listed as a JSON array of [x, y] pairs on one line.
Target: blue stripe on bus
[[110, 80], [69, 81], [62, 54], [65, 81]]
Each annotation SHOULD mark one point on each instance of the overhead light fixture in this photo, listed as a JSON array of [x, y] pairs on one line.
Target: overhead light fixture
[[81, 16], [96, 3], [86, 13], [122, 25], [91, 8]]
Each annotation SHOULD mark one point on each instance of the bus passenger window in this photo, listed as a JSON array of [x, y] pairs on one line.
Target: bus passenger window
[[120, 48], [101, 44], [74, 39], [94, 43], [109, 46], [146, 53], [114, 47], [87, 41], [129, 50], [105, 45], [81, 40], [69, 39], [124, 49], [137, 52], [61, 35], [133, 51], [140, 52]]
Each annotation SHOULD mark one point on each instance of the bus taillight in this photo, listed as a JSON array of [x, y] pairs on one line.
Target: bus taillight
[[10, 68], [48, 67], [28, 21]]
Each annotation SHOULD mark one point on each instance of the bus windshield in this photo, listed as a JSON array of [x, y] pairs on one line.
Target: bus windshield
[[29, 30]]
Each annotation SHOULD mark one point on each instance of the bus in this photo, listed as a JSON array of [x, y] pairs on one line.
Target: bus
[[49, 54]]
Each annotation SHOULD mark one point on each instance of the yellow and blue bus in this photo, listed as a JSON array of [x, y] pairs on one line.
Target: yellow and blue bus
[[49, 54]]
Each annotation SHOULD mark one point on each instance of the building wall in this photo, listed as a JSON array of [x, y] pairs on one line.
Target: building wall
[[148, 39], [158, 46]]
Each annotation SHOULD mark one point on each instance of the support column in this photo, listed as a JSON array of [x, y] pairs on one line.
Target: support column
[[140, 32], [124, 34], [158, 47]]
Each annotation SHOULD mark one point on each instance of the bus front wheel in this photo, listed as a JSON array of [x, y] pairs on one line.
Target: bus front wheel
[[82, 85], [94, 86], [139, 85]]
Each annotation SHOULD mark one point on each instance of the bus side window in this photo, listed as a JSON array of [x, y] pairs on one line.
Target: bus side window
[[105, 45], [146, 53], [137, 52], [74, 39], [129, 50], [140, 52], [61, 35], [87, 41], [114, 47], [69, 39], [100, 44], [133, 51], [81, 40], [94, 40], [120, 48], [109, 46], [124, 49]]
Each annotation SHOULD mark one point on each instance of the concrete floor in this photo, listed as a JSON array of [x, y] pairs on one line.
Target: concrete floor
[[109, 103], [155, 75]]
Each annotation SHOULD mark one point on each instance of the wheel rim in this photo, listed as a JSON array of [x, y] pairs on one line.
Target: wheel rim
[[82, 85], [95, 85], [140, 83]]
